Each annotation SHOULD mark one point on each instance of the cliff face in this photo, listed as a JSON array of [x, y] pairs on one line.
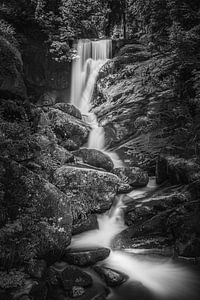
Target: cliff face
[[136, 102]]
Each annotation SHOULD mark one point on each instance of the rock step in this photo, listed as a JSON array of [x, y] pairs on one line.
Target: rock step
[[86, 257], [110, 276]]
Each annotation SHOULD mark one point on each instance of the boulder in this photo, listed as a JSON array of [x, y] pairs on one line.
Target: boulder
[[84, 258], [152, 233], [95, 158], [69, 109], [66, 126], [134, 176], [110, 276], [89, 191], [38, 210]]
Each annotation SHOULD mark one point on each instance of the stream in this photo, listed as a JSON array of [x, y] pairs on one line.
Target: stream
[[150, 277]]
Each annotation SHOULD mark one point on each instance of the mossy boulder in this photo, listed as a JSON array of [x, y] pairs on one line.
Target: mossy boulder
[[95, 158], [67, 127], [69, 109], [90, 191], [37, 213]]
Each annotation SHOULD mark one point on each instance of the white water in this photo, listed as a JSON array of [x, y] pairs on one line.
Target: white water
[[92, 55], [162, 277]]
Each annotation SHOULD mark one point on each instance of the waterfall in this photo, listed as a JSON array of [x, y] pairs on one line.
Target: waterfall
[[92, 55]]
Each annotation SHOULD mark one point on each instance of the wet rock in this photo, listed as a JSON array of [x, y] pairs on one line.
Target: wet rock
[[95, 158], [37, 268], [133, 176], [69, 109], [153, 233], [138, 215], [86, 257], [89, 223], [74, 277], [89, 191], [66, 126], [110, 276]]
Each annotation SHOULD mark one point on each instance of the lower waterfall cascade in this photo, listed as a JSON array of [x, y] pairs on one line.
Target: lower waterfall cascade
[[162, 277]]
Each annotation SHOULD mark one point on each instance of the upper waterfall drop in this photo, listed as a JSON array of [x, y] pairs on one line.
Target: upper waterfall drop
[[92, 55]]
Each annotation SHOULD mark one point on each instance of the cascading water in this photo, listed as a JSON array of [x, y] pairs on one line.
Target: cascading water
[[164, 278], [92, 55]]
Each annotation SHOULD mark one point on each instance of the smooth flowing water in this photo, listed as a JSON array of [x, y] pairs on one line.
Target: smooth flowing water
[[92, 55], [163, 278]]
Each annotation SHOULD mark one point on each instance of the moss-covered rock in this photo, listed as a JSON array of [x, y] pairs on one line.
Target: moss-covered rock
[[69, 109], [95, 158], [89, 190], [38, 215], [66, 126]]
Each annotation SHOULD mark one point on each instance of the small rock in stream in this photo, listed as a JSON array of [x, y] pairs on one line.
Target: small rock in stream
[[110, 276], [133, 176], [86, 257]]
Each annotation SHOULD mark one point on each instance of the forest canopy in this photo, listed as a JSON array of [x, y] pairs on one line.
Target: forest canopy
[[160, 24]]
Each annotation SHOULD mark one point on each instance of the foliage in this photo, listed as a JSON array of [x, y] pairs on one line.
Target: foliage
[[8, 32]]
